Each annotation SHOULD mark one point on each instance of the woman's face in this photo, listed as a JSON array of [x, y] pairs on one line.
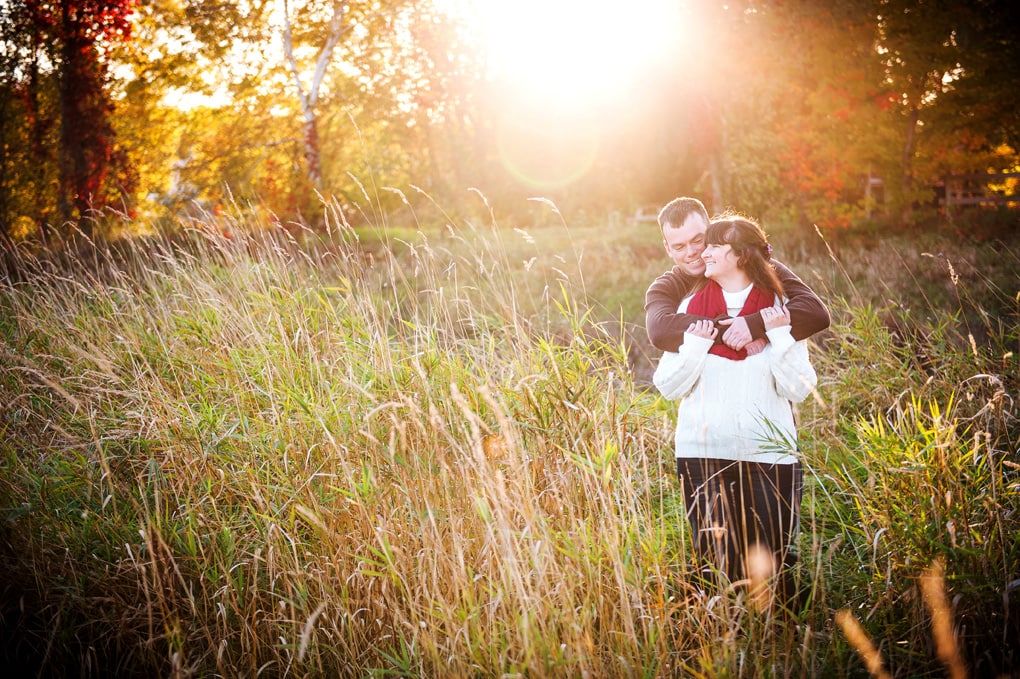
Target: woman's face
[[720, 260]]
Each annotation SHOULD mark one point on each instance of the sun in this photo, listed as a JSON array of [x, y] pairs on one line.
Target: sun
[[564, 70], [571, 51]]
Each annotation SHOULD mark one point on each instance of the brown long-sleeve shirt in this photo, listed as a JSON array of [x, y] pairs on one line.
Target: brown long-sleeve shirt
[[666, 327]]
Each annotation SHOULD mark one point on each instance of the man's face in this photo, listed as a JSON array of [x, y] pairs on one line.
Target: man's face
[[685, 243]]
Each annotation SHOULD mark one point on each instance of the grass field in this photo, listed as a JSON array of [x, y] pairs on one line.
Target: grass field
[[435, 452]]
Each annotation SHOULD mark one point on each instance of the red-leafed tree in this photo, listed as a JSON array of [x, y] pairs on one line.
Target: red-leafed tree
[[74, 34]]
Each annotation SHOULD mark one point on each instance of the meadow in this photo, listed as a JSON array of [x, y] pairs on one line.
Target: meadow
[[240, 450]]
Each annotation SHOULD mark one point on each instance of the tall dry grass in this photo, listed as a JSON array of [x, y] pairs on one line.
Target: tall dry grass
[[247, 455]]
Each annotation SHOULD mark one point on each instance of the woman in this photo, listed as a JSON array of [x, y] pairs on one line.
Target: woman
[[735, 435]]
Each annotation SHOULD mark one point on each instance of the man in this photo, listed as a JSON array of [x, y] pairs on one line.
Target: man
[[683, 222]]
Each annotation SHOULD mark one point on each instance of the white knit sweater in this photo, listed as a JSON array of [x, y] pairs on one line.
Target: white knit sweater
[[737, 410]]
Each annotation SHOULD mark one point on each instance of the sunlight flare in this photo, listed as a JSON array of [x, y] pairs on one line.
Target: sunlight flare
[[572, 52]]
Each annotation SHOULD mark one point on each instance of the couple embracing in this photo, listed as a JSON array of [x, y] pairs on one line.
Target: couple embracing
[[732, 323]]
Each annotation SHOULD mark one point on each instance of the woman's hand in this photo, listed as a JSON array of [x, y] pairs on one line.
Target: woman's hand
[[704, 329], [775, 317]]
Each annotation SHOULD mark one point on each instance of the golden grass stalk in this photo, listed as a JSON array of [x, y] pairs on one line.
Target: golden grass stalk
[[761, 568], [860, 640], [933, 590]]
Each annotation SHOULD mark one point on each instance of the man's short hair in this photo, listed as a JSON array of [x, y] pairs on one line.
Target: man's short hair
[[676, 211]]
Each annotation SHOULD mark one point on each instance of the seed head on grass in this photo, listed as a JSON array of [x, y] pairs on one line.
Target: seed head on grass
[[933, 590], [761, 568], [862, 642]]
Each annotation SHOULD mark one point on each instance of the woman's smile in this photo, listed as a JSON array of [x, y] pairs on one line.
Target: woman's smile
[[719, 259]]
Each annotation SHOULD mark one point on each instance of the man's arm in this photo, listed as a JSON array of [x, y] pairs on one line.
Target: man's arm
[[807, 313], [666, 327]]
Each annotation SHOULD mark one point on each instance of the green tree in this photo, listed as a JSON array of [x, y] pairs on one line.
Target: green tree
[[921, 58]]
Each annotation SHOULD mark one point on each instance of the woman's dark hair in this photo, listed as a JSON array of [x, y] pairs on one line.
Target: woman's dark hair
[[752, 248]]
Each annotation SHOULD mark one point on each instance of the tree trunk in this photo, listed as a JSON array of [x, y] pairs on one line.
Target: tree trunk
[[70, 146], [309, 98], [39, 151], [9, 269], [715, 174], [906, 167], [312, 156], [85, 132]]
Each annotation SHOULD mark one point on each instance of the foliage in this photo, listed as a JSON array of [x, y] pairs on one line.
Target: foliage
[[73, 35], [784, 110], [27, 125]]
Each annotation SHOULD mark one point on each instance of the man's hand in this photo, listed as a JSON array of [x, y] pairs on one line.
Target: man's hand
[[737, 336], [775, 317], [704, 329], [756, 347]]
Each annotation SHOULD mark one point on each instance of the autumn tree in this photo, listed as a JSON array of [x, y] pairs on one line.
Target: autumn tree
[[341, 56], [819, 99], [27, 127], [75, 34], [441, 80], [952, 64], [831, 114], [921, 58], [13, 56], [783, 109], [190, 107], [308, 93]]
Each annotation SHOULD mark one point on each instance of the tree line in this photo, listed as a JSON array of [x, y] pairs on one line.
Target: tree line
[[820, 113]]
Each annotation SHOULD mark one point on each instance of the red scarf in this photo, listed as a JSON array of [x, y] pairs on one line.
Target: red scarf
[[709, 301]]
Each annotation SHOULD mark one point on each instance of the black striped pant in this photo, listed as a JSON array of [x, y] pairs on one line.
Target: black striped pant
[[735, 506]]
